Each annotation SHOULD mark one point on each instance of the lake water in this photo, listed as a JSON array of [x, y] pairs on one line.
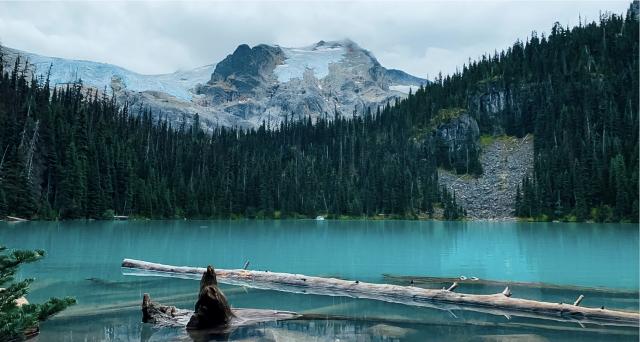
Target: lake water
[[83, 260]]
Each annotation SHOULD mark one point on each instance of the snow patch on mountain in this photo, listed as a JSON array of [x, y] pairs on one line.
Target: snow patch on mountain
[[316, 58]]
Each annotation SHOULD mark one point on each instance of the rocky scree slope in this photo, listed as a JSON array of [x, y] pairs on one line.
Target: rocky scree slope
[[487, 189], [505, 162]]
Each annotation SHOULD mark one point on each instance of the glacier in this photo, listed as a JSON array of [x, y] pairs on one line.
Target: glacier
[[315, 58], [101, 75]]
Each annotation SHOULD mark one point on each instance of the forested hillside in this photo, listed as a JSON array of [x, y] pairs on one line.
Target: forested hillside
[[67, 153], [577, 92]]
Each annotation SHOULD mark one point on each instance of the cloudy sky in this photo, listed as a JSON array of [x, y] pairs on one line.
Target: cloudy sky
[[420, 37]]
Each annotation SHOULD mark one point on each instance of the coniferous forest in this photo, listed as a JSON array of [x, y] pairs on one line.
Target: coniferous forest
[[68, 152], [576, 91], [75, 155]]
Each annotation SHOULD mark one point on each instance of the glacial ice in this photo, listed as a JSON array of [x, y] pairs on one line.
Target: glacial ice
[[99, 75], [316, 58]]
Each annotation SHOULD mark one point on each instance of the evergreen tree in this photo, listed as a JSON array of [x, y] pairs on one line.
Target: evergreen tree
[[19, 322]]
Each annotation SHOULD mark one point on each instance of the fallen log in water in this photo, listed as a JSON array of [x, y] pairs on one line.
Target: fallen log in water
[[169, 316], [473, 281], [498, 304], [15, 219]]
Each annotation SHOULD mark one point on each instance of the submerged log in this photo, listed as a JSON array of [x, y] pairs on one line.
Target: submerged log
[[453, 286], [474, 281], [249, 317], [163, 315], [499, 304]]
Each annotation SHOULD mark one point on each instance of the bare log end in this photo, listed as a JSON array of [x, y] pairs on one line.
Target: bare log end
[[453, 286], [577, 302]]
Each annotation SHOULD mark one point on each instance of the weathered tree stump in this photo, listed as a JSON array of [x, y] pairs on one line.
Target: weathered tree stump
[[212, 311]]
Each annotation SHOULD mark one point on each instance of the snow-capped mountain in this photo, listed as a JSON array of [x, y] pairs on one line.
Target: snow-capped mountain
[[250, 86]]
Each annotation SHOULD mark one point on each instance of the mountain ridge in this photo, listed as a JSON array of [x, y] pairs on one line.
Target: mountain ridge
[[251, 86]]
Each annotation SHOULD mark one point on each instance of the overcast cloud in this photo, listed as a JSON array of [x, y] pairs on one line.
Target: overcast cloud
[[421, 38]]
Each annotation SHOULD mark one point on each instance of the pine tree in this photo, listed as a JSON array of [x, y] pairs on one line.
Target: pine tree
[[19, 322]]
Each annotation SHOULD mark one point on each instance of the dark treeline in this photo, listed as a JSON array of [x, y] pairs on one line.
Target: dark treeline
[[576, 91], [72, 155]]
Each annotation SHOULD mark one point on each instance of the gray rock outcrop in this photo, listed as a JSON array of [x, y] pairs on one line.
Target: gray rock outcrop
[[272, 84], [457, 144], [241, 73]]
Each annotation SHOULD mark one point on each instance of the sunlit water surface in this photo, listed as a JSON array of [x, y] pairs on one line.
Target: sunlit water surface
[[83, 260]]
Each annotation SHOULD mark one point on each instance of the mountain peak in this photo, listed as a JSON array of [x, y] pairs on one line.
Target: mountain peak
[[334, 43], [252, 84]]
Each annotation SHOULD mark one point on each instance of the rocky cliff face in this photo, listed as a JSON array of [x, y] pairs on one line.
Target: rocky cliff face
[[270, 83], [483, 175], [457, 144], [487, 104], [240, 74], [502, 109], [252, 85], [495, 169]]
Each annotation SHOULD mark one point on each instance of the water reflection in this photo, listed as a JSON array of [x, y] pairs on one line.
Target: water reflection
[[586, 250], [123, 327]]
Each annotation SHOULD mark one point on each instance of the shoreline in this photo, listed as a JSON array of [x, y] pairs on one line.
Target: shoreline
[[342, 218]]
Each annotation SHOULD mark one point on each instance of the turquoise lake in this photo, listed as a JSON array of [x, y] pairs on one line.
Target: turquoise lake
[[83, 260]]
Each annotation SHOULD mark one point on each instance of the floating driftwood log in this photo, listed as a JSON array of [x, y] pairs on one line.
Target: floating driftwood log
[[498, 304]]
